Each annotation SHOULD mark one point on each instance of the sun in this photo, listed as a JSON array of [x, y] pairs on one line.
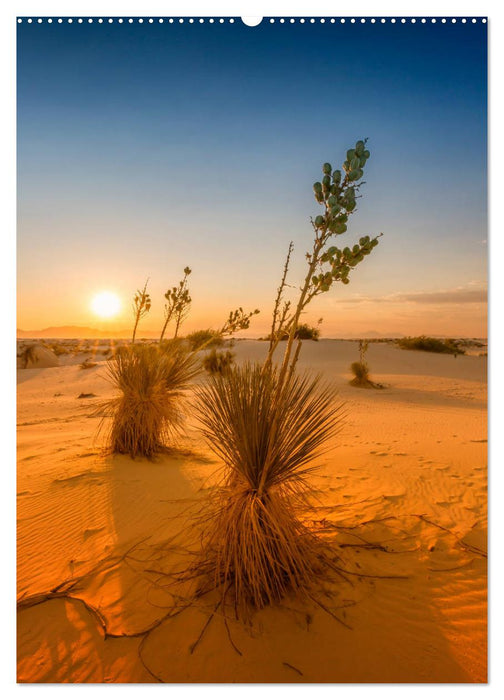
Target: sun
[[105, 304]]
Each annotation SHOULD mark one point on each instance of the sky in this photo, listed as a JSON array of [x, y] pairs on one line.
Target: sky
[[144, 148]]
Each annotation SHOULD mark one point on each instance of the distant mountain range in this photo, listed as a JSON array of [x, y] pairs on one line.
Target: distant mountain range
[[82, 332]]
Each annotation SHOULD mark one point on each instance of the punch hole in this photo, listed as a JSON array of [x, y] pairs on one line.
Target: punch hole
[[252, 21]]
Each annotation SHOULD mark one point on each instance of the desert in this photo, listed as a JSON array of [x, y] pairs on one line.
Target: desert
[[401, 491], [252, 321]]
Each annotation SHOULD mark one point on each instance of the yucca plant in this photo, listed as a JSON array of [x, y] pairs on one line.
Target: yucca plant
[[267, 423], [178, 304], [151, 379], [141, 307], [360, 369], [256, 545], [28, 355], [218, 361]]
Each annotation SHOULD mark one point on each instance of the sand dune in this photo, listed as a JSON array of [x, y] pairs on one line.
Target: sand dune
[[403, 491], [35, 356]]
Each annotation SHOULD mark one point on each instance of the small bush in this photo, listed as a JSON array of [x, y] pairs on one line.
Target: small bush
[[27, 354], [303, 332], [58, 349], [87, 364], [360, 371], [427, 344], [151, 381], [207, 338], [306, 332], [218, 362]]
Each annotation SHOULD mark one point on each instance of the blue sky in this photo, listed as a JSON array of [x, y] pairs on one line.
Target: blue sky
[[145, 148]]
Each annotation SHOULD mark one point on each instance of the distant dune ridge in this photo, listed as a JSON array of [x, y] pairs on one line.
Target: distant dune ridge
[[84, 332]]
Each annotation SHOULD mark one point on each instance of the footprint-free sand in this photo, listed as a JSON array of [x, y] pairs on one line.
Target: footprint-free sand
[[402, 492]]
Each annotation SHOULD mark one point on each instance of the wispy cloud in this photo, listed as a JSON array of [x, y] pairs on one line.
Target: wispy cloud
[[459, 295]]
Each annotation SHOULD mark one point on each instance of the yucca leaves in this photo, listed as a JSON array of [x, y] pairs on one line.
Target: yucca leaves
[[237, 414], [268, 435], [151, 381]]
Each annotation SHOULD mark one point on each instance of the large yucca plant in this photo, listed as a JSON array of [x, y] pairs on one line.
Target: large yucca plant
[[267, 424], [256, 545], [151, 380]]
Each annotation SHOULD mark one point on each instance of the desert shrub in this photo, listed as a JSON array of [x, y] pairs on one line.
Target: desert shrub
[[255, 544], [361, 373], [267, 423], [151, 380], [178, 304], [218, 362], [204, 338], [58, 349], [87, 364], [360, 369], [303, 332], [141, 307], [27, 354], [428, 344], [306, 332]]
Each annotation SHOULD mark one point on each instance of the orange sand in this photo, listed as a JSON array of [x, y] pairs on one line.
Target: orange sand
[[407, 472]]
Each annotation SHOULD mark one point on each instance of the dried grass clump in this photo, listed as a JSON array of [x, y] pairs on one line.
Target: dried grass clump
[[218, 362], [360, 370], [151, 380], [87, 364], [422, 342], [256, 547]]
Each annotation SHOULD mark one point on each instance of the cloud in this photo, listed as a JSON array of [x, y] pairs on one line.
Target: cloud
[[451, 296], [459, 295]]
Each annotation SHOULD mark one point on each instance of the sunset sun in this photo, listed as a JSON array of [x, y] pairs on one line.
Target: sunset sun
[[105, 304]]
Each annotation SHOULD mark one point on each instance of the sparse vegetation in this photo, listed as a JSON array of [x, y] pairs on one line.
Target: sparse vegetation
[[268, 423], [360, 371], [237, 320], [58, 349], [306, 332], [87, 364], [178, 304], [152, 377], [255, 542], [204, 338], [422, 342], [27, 354], [303, 332], [141, 307], [218, 362], [151, 380]]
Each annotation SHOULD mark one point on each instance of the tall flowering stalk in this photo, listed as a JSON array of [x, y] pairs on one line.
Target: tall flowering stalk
[[268, 423], [141, 307], [327, 264], [178, 304]]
